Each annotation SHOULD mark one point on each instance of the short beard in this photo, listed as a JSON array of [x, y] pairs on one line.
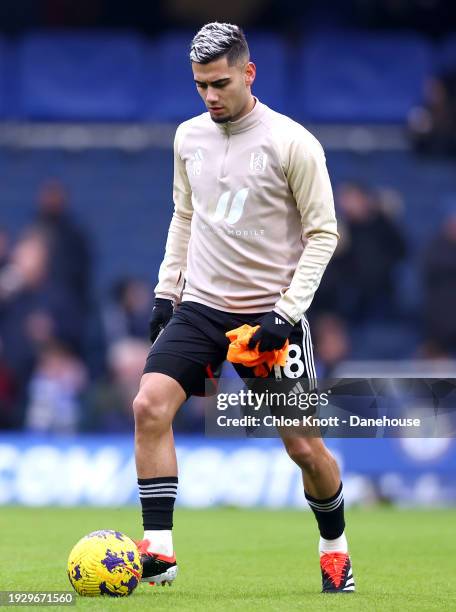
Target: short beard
[[220, 119]]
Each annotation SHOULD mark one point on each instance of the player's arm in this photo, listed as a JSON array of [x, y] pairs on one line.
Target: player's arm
[[171, 275], [309, 182], [174, 264]]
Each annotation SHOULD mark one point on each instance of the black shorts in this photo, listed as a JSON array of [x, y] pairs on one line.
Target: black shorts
[[193, 346]]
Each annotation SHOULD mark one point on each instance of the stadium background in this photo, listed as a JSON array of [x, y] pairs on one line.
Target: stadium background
[[90, 95]]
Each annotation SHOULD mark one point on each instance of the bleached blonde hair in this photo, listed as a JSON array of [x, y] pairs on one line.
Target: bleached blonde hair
[[215, 40]]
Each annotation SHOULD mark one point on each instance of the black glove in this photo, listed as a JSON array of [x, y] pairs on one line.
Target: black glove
[[161, 314], [274, 330]]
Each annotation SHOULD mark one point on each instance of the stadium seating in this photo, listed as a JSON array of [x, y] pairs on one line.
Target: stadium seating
[[3, 78], [80, 76], [169, 91], [269, 54], [361, 77], [446, 55], [333, 76]]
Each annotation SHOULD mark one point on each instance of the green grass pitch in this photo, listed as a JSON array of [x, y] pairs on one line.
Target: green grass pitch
[[247, 560]]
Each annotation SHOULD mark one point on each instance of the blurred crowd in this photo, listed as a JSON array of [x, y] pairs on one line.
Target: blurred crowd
[[432, 126], [362, 281], [71, 361], [67, 362]]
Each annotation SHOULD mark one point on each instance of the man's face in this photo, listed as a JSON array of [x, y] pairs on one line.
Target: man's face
[[225, 89]]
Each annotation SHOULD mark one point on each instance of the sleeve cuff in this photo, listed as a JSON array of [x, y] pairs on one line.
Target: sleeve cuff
[[285, 315]]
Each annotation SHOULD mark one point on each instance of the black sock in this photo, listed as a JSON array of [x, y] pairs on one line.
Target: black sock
[[157, 497], [329, 514]]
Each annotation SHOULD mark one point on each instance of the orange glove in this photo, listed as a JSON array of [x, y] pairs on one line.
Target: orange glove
[[262, 363]]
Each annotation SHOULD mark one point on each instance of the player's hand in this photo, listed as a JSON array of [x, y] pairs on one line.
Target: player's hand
[[161, 314], [272, 334]]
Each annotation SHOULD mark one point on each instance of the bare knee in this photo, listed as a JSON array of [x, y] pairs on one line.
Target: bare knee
[[152, 411], [158, 400], [303, 453]]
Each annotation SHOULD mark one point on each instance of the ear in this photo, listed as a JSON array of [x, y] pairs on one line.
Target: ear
[[250, 73]]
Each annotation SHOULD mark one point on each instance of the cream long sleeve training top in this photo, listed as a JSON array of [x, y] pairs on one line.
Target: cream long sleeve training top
[[254, 224]]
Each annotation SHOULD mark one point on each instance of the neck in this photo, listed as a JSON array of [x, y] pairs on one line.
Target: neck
[[246, 109]]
